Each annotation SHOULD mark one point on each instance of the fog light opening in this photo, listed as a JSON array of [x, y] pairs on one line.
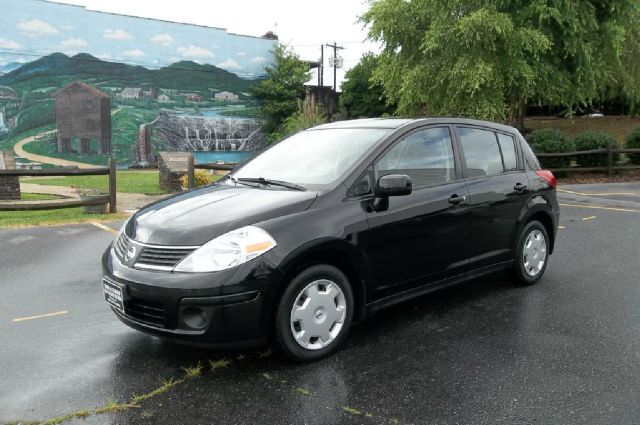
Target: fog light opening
[[194, 318]]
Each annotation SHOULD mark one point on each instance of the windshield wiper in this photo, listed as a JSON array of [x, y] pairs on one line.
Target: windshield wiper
[[236, 181], [269, 182]]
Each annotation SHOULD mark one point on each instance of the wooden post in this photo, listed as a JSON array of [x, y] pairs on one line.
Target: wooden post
[[609, 159], [112, 185], [191, 176]]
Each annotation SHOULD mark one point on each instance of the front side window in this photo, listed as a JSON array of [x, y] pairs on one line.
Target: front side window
[[313, 158], [481, 152], [426, 156]]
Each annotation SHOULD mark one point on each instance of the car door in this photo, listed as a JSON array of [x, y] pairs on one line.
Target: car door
[[498, 190], [419, 236]]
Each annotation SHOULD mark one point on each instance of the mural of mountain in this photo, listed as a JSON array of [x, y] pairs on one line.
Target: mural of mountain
[[180, 75], [9, 67]]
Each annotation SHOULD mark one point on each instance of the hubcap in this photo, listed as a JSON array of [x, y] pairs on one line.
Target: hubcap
[[318, 314], [534, 252]]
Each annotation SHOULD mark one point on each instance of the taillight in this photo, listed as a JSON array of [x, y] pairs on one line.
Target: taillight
[[548, 177]]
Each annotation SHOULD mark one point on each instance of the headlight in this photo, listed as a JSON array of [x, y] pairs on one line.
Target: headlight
[[228, 250]]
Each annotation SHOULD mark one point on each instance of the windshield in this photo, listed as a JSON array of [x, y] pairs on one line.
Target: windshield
[[312, 158]]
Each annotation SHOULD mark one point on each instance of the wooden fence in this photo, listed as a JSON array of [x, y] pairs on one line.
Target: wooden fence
[[65, 203], [608, 151]]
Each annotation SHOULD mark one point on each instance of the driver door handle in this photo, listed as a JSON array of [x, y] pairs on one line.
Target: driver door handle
[[519, 187], [456, 199]]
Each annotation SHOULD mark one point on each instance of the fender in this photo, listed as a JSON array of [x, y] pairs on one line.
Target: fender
[[535, 205], [349, 258]]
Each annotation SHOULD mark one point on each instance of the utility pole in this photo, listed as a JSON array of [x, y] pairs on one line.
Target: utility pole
[[336, 63], [321, 67]]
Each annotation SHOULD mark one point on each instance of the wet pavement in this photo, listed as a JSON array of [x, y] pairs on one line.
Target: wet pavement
[[564, 351]]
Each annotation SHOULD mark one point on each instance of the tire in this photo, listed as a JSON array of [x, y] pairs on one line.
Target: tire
[[322, 318], [532, 254]]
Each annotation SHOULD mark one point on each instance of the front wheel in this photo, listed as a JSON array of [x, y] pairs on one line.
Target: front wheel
[[314, 314], [532, 254]]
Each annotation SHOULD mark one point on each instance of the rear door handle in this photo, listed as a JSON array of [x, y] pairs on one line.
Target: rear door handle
[[519, 187], [456, 199]]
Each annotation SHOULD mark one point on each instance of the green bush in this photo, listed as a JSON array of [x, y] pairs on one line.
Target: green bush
[[202, 177], [633, 142], [595, 140], [551, 140]]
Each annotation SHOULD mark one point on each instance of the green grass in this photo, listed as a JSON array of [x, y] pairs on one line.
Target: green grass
[[126, 181], [44, 217], [9, 142], [37, 197]]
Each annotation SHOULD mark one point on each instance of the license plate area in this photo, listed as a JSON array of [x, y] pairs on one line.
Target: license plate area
[[113, 295]]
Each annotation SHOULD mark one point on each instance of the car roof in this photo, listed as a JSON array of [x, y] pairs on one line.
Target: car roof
[[395, 123]]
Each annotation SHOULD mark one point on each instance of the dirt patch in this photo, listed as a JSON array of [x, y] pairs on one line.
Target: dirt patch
[[617, 126], [621, 177]]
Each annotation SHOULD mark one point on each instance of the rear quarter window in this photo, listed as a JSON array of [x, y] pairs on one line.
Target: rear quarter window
[[530, 159]]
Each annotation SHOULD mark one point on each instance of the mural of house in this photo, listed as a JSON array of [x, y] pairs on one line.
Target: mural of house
[[192, 97], [226, 95], [6, 94], [83, 113]]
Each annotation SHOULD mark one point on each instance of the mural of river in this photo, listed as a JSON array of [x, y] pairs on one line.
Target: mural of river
[[226, 157], [113, 85]]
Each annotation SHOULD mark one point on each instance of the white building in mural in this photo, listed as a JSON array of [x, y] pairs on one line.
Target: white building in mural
[[163, 98], [226, 95], [3, 128], [130, 93]]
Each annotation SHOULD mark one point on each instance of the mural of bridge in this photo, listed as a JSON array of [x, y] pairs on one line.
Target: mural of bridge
[[196, 133]]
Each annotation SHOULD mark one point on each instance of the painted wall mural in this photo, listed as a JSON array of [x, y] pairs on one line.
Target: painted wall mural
[[127, 86]]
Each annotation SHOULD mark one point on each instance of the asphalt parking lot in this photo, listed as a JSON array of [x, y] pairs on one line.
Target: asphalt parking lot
[[564, 351]]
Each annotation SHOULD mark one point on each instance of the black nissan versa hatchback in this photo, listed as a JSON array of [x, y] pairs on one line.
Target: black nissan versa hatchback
[[329, 226]]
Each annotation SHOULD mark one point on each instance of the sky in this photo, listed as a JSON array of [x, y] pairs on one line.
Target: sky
[[39, 28], [303, 24]]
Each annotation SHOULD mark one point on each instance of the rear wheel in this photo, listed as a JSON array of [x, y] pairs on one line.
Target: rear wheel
[[531, 254], [314, 314]]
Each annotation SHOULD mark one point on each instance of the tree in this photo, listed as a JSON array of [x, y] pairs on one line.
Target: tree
[[308, 115], [279, 93], [630, 67], [489, 58], [361, 95]]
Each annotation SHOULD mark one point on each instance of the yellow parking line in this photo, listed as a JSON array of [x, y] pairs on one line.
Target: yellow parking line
[[103, 227], [598, 207], [589, 218], [599, 194], [40, 316]]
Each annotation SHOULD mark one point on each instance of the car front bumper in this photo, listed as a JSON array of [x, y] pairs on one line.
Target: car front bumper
[[227, 309]]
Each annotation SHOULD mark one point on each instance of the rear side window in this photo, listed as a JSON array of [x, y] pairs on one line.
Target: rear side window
[[481, 152], [426, 156], [508, 150]]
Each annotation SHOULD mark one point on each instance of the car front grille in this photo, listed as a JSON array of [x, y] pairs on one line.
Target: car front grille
[[120, 246], [151, 257], [149, 312]]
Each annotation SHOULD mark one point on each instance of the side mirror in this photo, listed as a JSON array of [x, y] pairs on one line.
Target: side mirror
[[394, 185]]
